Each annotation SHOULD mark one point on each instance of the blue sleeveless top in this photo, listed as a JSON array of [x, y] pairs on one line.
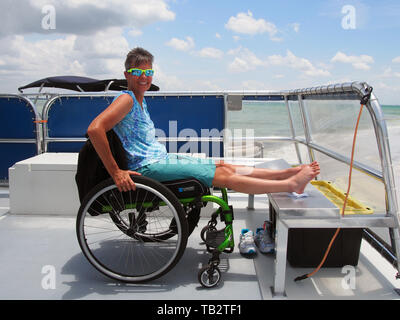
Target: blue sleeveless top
[[137, 134]]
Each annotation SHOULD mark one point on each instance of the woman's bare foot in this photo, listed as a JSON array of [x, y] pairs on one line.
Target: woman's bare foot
[[314, 164], [299, 181], [297, 169]]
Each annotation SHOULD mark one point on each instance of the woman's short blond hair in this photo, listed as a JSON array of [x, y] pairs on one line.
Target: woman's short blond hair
[[137, 56]]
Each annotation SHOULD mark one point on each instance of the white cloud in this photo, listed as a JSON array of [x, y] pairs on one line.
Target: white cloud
[[247, 60], [80, 17], [296, 27], [396, 60], [180, 44], [389, 73], [210, 53], [167, 82], [218, 36], [42, 58], [254, 85], [277, 39], [358, 62], [101, 55], [138, 10], [244, 23], [208, 85], [109, 43], [135, 32], [235, 51], [302, 64], [240, 65]]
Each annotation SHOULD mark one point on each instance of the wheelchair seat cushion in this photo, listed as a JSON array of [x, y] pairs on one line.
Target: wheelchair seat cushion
[[187, 188]]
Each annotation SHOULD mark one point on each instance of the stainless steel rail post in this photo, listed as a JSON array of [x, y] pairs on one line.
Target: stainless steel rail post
[[382, 137], [306, 124], [293, 130], [281, 240]]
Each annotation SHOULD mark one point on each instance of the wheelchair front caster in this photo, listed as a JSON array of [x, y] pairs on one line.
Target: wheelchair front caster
[[209, 276]]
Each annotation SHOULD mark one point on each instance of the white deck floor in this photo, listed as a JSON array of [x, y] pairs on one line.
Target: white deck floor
[[29, 243]]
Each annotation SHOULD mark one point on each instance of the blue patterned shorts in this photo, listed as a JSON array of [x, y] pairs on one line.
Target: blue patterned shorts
[[180, 167]]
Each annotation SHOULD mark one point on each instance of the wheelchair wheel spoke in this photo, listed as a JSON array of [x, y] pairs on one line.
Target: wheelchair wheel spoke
[[106, 239]]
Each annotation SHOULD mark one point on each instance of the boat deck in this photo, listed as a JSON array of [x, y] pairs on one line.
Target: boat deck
[[31, 243]]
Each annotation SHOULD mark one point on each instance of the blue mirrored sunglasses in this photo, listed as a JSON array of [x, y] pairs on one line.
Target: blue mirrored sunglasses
[[138, 72]]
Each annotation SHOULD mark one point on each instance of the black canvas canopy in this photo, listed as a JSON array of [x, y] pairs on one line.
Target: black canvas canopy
[[82, 84]]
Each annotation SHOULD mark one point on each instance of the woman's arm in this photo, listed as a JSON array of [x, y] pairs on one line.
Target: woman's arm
[[104, 122]]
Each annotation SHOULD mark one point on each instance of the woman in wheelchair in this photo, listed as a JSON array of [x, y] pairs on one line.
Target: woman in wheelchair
[[148, 222]]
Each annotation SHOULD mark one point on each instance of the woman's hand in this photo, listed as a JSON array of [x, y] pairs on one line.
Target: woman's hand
[[123, 180]]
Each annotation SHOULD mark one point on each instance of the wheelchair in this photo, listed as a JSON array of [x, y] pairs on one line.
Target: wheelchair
[[138, 236]]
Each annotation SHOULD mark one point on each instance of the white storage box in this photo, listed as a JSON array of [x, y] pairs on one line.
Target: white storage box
[[44, 184]]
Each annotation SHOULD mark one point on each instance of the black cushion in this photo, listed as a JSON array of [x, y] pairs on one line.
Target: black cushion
[[187, 188]]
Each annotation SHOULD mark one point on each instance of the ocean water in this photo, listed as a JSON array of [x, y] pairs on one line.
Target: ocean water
[[329, 121], [332, 126]]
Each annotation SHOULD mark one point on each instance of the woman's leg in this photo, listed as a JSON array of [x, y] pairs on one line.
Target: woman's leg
[[263, 173], [226, 176]]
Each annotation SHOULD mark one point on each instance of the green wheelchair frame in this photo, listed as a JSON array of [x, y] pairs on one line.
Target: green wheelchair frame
[[217, 241]]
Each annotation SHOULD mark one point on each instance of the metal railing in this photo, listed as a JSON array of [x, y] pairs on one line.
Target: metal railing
[[343, 91], [35, 119], [10, 121]]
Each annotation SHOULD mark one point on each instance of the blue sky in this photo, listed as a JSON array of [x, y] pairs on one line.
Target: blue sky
[[207, 45]]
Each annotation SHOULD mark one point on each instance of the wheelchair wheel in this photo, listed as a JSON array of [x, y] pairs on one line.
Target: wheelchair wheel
[[209, 276], [127, 235]]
